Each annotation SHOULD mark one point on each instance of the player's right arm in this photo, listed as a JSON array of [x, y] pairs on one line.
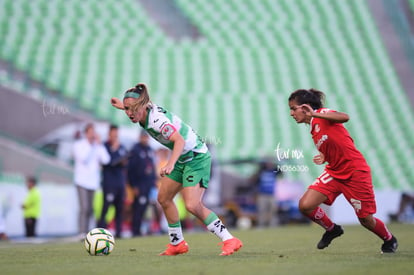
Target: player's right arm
[[178, 148], [117, 103], [337, 117]]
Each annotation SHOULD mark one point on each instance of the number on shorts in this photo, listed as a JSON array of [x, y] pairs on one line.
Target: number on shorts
[[325, 177]]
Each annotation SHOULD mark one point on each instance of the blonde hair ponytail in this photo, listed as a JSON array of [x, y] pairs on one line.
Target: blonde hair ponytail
[[140, 93]]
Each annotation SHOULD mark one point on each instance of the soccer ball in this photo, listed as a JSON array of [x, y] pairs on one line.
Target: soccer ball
[[99, 241], [244, 223]]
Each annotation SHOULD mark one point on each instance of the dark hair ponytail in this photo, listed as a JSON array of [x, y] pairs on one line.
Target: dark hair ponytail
[[313, 97]]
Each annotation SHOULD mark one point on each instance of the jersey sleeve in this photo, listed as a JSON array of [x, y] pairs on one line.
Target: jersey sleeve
[[162, 124], [168, 130], [326, 110]]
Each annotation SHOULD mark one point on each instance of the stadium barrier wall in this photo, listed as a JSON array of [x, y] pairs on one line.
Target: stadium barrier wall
[[59, 211]]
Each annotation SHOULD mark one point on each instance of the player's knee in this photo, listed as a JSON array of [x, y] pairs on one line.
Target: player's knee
[[367, 222], [163, 200], [304, 206], [363, 221], [192, 207]]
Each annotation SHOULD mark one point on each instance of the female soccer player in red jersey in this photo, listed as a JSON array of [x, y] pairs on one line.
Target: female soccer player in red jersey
[[346, 171]]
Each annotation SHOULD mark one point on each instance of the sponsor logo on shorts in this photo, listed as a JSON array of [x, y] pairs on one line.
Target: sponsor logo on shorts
[[356, 204]]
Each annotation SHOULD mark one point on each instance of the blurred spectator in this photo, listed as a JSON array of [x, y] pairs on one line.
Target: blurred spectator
[[288, 192], [159, 223], [113, 183], [89, 154], [141, 177], [213, 195], [3, 235], [31, 207], [265, 181], [77, 135], [406, 205], [162, 156], [128, 211]]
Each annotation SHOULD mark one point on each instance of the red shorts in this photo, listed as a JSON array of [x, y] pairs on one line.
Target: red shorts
[[357, 190]]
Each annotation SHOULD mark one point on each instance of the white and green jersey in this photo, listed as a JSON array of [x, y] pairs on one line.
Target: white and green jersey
[[161, 124]]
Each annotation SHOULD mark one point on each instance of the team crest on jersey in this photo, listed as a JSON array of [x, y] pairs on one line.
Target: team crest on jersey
[[167, 131]]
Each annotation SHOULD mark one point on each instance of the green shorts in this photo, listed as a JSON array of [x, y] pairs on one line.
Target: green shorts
[[193, 172]]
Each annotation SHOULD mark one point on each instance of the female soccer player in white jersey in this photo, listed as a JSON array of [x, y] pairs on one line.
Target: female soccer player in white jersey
[[187, 171], [346, 171]]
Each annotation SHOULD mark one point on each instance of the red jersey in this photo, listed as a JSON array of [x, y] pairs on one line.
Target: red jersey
[[334, 142]]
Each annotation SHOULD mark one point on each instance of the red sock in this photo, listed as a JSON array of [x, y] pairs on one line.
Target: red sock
[[381, 230], [319, 216]]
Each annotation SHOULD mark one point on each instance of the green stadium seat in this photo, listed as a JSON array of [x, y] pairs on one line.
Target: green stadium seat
[[232, 80]]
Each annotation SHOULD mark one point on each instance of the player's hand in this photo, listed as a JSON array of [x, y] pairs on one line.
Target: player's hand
[[307, 109], [319, 159], [116, 102], [166, 170]]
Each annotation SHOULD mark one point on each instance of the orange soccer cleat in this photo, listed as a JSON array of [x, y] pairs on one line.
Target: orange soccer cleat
[[230, 246], [173, 250]]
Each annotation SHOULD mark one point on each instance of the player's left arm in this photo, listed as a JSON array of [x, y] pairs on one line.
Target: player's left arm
[[178, 148], [337, 117]]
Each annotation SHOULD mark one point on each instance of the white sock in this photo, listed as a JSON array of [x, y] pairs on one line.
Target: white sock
[[217, 228], [176, 234]]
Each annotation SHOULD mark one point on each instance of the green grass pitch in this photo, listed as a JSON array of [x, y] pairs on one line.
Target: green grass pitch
[[281, 250]]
